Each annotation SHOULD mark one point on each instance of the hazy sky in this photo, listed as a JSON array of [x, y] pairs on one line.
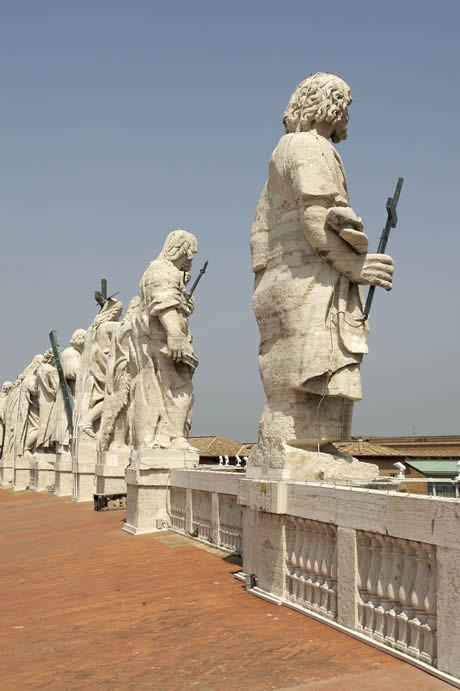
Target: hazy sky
[[121, 121]]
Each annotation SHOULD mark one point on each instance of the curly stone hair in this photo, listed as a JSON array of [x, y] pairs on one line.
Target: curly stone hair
[[178, 243], [322, 97]]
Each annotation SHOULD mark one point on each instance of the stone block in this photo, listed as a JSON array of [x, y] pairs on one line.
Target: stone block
[[110, 471], [148, 479], [21, 475], [63, 475], [42, 472], [447, 597]]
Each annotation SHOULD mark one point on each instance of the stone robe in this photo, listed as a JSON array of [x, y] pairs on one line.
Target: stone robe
[[308, 314], [162, 392], [70, 360], [48, 384], [27, 415]]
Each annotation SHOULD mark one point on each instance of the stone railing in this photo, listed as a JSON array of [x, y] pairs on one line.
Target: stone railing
[[177, 509], [202, 515], [204, 504], [397, 594], [383, 565], [312, 565]]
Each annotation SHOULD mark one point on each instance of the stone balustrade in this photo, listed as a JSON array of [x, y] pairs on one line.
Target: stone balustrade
[[397, 594], [204, 505], [381, 564], [312, 566]]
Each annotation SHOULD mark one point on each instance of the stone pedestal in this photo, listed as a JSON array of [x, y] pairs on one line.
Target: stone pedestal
[[63, 476], [84, 485], [42, 472], [6, 471], [147, 479], [303, 462], [21, 475], [110, 471]]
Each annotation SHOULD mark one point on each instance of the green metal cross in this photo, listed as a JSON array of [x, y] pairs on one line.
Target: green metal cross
[[101, 295]]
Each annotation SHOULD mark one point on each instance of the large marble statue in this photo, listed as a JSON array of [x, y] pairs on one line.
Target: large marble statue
[[48, 385], [164, 356], [115, 419], [310, 256], [90, 385], [6, 388], [70, 360], [25, 427]]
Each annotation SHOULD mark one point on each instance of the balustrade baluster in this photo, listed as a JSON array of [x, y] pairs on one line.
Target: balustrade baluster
[[332, 575], [417, 597], [318, 558], [295, 558], [428, 653], [393, 594], [383, 579], [405, 594], [309, 566], [371, 585], [364, 563], [290, 540], [301, 563]]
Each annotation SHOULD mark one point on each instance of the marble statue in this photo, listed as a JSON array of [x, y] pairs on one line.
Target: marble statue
[[11, 416], [164, 357], [48, 385], [70, 360], [309, 255], [25, 427], [115, 420], [6, 388], [90, 386]]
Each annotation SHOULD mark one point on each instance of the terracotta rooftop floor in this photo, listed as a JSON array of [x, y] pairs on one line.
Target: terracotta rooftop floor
[[84, 605]]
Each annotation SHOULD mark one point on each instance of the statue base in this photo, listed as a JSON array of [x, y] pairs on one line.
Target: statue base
[[110, 471], [307, 464], [84, 468], [21, 475], [42, 472], [6, 472], [63, 476], [147, 479]]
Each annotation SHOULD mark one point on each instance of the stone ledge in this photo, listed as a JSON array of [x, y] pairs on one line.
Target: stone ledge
[[413, 517], [206, 480], [110, 470]]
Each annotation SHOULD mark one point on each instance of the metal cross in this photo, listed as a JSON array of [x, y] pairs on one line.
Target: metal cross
[[101, 295], [392, 220]]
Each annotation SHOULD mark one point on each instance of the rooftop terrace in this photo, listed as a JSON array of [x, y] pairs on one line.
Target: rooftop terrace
[[85, 605]]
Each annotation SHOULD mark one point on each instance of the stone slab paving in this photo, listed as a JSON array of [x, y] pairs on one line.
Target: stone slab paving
[[84, 605]]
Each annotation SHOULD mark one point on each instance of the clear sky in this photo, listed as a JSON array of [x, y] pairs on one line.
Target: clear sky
[[121, 121]]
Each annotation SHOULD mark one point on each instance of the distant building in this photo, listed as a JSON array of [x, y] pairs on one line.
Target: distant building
[[211, 447], [433, 457]]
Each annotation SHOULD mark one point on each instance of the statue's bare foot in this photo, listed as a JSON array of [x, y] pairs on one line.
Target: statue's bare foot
[[182, 444]]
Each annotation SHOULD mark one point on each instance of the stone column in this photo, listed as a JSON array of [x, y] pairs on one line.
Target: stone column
[[347, 577], [147, 480], [448, 622]]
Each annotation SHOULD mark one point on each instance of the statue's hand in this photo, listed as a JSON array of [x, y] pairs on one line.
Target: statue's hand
[[370, 269], [177, 347], [190, 304]]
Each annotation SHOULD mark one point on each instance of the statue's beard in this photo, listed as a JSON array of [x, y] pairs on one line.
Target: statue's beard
[[341, 130]]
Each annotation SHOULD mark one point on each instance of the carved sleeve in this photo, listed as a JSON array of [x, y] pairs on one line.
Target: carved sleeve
[[311, 167]]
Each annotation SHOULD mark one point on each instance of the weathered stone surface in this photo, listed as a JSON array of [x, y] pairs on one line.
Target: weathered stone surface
[[164, 356], [310, 257]]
